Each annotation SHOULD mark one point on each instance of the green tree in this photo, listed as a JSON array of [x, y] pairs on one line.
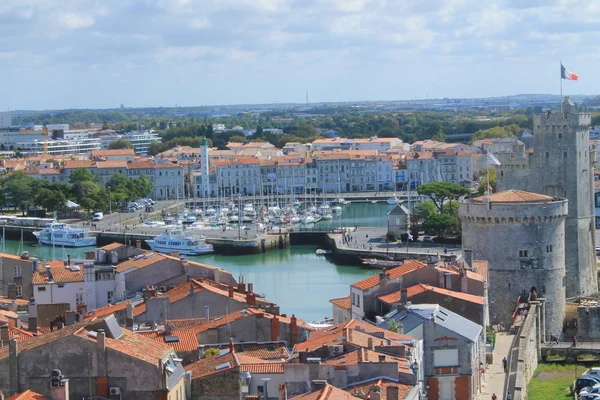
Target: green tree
[[395, 326], [489, 176], [441, 223], [120, 144], [440, 192], [51, 200], [211, 352], [81, 175], [495, 132], [105, 126], [19, 189], [423, 211]]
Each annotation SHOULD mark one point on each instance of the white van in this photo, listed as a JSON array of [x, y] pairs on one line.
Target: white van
[[97, 216]]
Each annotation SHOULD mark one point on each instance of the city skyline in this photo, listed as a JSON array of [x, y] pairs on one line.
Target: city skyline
[[58, 55]]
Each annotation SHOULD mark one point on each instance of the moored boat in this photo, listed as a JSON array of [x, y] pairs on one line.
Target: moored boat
[[60, 234], [177, 240]]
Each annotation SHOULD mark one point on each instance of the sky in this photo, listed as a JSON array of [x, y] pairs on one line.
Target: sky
[[57, 54]]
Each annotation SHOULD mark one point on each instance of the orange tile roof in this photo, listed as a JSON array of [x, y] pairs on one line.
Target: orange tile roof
[[373, 281], [140, 262], [134, 345], [329, 392], [384, 384], [18, 302], [515, 196], [112, 246], [115, 152], [72, 164], [264, 368], [187, 339], [111, 164], [365, 355], [60, 273], [342, 302], [418, 288], [263, 351], [106, 310], [28, 395], [207, 366], [353, 331], [141, 164], [185, 323], [167, 165], [18, 334]]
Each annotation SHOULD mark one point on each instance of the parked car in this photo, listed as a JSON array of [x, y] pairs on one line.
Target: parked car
[[588, 396], [98, 216], [590, 390], [593, 372], [428, 239], [582, 382], [129, 209]]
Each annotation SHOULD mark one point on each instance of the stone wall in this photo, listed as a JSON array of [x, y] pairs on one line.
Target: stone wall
[[529, 352], [222, 386], [524, 244]]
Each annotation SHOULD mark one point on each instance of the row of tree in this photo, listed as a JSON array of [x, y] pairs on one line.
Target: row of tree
[[23, 191]]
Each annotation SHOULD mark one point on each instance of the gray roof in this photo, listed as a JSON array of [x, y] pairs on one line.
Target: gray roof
[[399, 210], [415, 314]]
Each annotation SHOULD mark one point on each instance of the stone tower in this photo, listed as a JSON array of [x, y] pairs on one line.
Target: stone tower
[[204, 168], [522, 237], [562, 165]]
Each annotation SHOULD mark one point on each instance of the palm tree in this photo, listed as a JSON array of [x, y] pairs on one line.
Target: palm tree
[[395, 326]]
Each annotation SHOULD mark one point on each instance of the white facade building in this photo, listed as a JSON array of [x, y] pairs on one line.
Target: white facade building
[[5, 119]]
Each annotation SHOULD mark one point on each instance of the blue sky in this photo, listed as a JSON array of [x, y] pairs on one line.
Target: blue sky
[[101, 53]]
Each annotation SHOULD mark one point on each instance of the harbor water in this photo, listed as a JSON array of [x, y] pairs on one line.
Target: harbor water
[[295, 278]]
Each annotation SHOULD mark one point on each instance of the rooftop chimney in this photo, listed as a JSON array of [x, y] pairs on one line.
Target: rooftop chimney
[[250, 287], [4, 337], [101, 340], [468, 256], [207, 313], [59, 387], [375, 393], [382, 358], [317, 384], [432, 261], [282, 393], [403, 296], [68, 259], [392, 393], [231, 346], [231, 291]]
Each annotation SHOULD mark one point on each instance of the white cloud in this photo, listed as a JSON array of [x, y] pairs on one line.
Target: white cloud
[[73, 20]]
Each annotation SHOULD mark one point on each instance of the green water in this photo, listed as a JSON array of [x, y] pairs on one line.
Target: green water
[[298, 280]]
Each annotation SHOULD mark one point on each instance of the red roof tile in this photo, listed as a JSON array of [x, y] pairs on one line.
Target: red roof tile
[[208, 366], [413, 290], [343, 302], [60, 273], [141, 261], [373, 281], [515, 196], [115, 152], [329, 392], [384, 384], [187, 340], [27, 395], [106, 310]]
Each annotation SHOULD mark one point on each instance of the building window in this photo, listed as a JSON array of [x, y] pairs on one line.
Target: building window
[[357, 300], [564, 154], [17, 271], [523, 253], [79, 297], [560, 135], [547, 154], [61, 285], [41, 289], [109, 296], [19, 290], [548, 248]]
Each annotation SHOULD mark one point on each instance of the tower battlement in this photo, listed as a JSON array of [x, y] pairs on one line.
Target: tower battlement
[[557, 121]]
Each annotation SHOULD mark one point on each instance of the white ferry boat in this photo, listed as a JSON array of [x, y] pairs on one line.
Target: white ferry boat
[[177, 240], [59, 234]]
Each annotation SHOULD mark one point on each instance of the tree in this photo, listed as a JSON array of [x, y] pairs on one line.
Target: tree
[[51, 200], [495, 132], [20, 189], [423, 211], [81, 175], [441, 223], [105, 126], [395, 326], [120, 144], [489, 176], [440, 192], [211, 352]]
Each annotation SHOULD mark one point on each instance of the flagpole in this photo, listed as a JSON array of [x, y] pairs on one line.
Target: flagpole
[[561, 93]]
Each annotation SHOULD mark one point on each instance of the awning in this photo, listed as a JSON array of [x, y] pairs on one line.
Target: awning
[[71, 204]]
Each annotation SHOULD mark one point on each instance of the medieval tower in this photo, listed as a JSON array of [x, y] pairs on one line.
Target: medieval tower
[[562, 165]]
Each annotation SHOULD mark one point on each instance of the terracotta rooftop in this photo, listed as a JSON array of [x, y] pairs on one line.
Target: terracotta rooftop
[[186, 339], [384, 384], [18, 334], [373, 281], [112, 246], [418, 288], [365, 355], [342, 302], [112, 164], [329, 392], [141, 261], [27, 395], [141, 164], [59, 273], [106, 310], [115, 152], [185, 323], [7, 301], [261, 350], [515, 196], [208, 366]]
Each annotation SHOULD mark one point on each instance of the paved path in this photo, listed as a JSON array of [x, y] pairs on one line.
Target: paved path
[[494, 376]]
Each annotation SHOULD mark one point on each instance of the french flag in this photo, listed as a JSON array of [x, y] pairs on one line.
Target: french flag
[[564, 74]]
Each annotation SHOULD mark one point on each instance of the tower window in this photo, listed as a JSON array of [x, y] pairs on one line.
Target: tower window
[[523, 253], [560, 135], [548, 248], [547, 154], [564, 154]]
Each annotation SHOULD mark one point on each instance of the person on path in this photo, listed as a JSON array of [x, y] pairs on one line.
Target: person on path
[[494, 397], [508, 396], [575, 341], [504, 363]]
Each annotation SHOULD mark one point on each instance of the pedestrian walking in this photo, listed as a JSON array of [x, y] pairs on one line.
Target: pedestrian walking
[[508, 396], [494, 397], [574, 341], [504, 363]]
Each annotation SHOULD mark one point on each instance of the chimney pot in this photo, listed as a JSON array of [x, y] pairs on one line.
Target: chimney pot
[[403, 296], [381, 358], [100, 340]]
